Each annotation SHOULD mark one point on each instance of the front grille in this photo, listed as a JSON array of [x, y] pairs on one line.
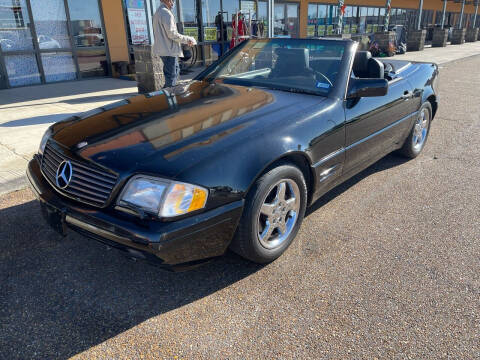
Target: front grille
[[89, 184]]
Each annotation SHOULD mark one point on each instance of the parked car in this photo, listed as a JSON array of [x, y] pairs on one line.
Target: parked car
[[46, 42], [234, 158], [6, 44], [89, 40]]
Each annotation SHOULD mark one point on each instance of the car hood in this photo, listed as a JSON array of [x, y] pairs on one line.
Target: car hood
[[170, 130]]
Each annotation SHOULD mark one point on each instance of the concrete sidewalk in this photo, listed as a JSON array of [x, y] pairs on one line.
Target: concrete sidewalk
[[442, 55], [25, 113]]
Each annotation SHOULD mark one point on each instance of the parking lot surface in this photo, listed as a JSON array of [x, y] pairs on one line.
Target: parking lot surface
[[385, 266]]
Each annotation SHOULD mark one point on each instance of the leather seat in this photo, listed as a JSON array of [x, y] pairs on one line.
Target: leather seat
[[365, 66], [291, 62]]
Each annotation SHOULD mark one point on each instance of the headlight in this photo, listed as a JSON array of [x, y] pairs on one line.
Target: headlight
[[161, 197], [44, 140]]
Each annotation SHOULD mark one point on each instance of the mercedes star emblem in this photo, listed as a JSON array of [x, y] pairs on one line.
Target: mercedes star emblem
[[64, 174]]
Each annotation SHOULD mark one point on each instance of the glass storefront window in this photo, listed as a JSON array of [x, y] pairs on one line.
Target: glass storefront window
[[210, 9], [50, 23], [15, 31], [262, 17], [292, 20], [312, 20], [58, 66], [350, 20], [188, 12], [285, 19], [279, 20], [318, 19], [86, 23], [230, 8], [22, 70], [92, 62], [381, 19], [56, 33]]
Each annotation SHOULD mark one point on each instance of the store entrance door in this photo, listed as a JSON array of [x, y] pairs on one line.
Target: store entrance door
[[286, 22]]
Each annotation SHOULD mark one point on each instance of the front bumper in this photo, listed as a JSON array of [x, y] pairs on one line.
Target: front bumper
[[176, 243]]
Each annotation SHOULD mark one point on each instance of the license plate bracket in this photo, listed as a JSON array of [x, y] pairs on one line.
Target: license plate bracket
[[55, 218]]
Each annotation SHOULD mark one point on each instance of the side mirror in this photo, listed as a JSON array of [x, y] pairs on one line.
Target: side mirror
[[367, 88]]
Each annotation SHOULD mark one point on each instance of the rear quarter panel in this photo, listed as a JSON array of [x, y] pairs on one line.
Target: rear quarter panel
[[423, 77]]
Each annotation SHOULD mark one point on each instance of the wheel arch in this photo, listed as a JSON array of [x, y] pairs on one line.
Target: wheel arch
[[297, 158], [432, 99]]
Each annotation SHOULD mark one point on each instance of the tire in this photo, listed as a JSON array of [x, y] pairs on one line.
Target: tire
[[417, 138], [268, 211]]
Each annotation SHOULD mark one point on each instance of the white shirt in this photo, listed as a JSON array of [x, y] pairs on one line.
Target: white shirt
[[167, 39]]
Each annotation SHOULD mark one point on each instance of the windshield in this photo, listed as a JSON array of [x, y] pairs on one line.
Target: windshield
[[297, 65]]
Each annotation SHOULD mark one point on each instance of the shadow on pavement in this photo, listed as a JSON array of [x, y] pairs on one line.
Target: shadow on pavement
[[76, 101], [36, 120], [385, 163], [61, 296]]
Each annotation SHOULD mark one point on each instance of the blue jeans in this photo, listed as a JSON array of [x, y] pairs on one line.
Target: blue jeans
[[171, 70]]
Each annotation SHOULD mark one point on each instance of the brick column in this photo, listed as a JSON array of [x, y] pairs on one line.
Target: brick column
[[440, 37], [458, 36], [386, 42], [471, 35], [148, 68], [416, 40]]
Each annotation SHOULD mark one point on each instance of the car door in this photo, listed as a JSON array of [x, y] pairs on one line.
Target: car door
[[373, 124]]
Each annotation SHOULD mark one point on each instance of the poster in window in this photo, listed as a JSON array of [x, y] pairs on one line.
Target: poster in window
[[369, 28], [354, 29], [375, 27], [321, 30], [310, 30], [329, 29], [346, 29], [248, 6], [137, 19], [210, 33], [191, 31]]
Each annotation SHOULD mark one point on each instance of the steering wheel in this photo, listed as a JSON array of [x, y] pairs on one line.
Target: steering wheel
[[323, 76]]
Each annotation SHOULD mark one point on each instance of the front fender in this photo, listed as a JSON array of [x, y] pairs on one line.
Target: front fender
[[230, 174]]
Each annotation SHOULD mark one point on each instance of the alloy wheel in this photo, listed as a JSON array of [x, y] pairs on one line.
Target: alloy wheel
[[278, 214], [420, 130]]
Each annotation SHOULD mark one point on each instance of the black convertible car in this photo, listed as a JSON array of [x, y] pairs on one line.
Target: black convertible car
[[232, 159]]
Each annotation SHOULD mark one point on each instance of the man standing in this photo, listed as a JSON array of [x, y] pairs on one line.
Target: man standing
[[168, 41]]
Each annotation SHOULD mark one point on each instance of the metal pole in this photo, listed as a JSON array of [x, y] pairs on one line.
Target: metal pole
[[461, 15], [388, 8], [340, 10], [271, 22], [444, 10], [419, 20], [475, 16]]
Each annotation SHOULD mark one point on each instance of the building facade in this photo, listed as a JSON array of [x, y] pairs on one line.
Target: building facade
[[44, 41]]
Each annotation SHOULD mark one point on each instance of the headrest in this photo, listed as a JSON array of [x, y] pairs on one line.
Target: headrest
[[298, 56], [360, 63]]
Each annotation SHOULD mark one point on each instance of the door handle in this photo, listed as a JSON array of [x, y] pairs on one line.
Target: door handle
[[407, 95]]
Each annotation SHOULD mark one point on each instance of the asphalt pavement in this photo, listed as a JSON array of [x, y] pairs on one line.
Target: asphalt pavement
[[385, 266]]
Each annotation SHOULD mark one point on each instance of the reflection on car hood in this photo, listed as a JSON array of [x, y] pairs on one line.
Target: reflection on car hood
[[164, 132]]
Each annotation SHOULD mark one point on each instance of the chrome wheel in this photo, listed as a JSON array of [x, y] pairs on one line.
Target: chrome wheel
[[278, 214], [420, 130]]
